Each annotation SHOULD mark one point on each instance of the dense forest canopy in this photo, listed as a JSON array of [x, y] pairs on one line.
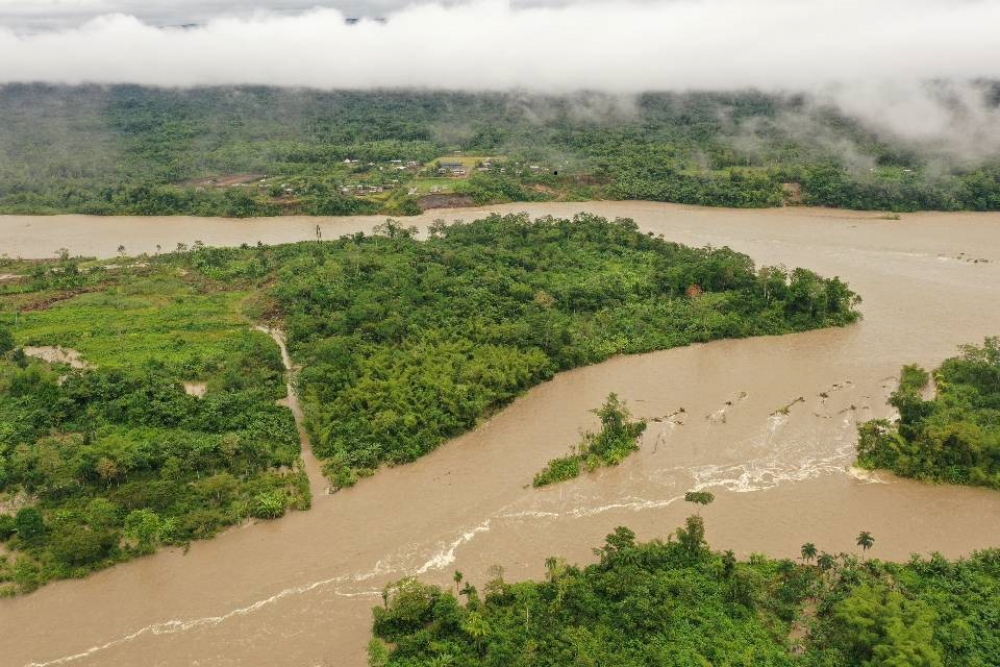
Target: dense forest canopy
[[407, 343], [137, 403], [678, 603], [248, 151], [953, 437]]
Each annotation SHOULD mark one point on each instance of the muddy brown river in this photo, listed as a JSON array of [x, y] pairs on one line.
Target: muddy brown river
[[298, 591]]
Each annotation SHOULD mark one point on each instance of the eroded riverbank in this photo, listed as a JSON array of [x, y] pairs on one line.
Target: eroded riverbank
[[299, 591]]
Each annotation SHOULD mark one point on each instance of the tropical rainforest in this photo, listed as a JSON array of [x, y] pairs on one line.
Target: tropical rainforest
[[679, 603], [954, 436], [138, 402], [252, 151]]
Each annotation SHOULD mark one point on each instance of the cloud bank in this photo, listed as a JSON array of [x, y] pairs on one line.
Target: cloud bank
[[910, 69], [618, 47]]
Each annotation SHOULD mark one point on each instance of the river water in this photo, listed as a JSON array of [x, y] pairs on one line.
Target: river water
[[299, 591]]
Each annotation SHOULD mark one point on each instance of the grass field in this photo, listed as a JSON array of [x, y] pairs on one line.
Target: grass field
[[154, 318]]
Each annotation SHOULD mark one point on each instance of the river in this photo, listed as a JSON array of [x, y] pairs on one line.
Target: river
[[298, 591]]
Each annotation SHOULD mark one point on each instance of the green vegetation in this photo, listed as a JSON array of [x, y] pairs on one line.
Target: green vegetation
[[107, 461], [699, 498], [253, 151], [677, 603], [403, 344], [618, 438], [955, 436], [407, 343]]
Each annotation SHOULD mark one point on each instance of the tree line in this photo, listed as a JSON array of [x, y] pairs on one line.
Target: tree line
[[128, 150], [676, 602]]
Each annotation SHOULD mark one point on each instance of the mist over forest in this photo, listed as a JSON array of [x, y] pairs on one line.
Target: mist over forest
[[252, 150]]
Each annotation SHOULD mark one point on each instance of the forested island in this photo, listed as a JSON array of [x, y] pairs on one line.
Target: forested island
[[138, 403], [679, 603], [953, 437], [253, 151]]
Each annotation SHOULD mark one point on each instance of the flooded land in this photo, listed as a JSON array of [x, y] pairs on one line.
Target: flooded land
[[298, 591]]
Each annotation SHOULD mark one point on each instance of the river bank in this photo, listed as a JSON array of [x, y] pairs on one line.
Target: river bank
[[40, 237]]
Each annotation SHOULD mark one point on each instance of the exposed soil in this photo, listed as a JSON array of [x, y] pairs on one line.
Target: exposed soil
[[45, 304], [225, 181], [58, 355], [428, 202], [196, 389], [793, 193]]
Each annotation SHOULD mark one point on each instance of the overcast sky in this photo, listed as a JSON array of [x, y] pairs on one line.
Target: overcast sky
[[872, 58], [47, 14], [619, 46]]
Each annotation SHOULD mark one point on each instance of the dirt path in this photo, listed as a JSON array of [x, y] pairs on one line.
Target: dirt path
[[317, 482]]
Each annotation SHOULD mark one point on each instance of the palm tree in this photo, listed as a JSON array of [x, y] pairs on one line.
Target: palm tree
[[458, 576], [808, 552], [470, 593], [826, 561], [865, 541], [699, 498]]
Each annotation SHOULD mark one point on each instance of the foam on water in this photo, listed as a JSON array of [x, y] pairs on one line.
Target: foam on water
[[866, 476], [446, 556]]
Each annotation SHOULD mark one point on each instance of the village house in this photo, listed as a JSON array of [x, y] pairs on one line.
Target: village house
[[453, 168]]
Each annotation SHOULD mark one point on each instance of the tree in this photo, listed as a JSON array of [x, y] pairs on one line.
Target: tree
[[728, 563], [7, 342], [107, 469], [30, 525], [457, 578], [692, 538], [865, 541], [144, 527], [826, 561], [808, 552], [471, 594], [478, 628], [699, 498]]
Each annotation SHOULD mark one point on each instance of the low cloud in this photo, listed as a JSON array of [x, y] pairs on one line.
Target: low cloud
[[909, 68], [490, 45]]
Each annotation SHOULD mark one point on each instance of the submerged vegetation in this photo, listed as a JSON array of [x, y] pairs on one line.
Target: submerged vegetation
[[953, 437], [618, 437], [151, 416], [678, 603], [252, 151]]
